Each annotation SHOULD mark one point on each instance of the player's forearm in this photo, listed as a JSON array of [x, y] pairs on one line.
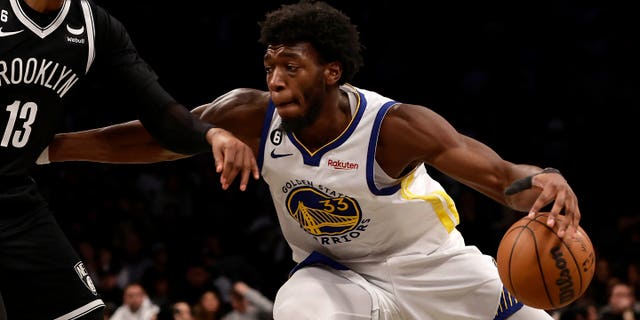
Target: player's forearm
[[122, 143], [170, 123]]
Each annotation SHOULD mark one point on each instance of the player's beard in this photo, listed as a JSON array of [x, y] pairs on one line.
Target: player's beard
[[299, 123]]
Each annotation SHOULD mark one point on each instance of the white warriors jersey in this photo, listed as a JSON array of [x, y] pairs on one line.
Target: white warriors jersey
[[338, 201]]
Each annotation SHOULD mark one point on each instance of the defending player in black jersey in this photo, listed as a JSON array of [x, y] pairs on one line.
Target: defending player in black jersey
[[47, 48]]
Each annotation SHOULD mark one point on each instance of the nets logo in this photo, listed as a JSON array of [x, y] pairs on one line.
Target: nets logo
[[84, 276], [342, 165]]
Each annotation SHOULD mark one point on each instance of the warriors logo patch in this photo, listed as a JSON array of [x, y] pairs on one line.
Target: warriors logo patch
[[84, 276], [321, 215]]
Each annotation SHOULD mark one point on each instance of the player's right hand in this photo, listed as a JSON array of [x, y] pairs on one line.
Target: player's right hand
[[557, 190], [232, 156]]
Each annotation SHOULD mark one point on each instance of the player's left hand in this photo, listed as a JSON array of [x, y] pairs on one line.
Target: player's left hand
[[556, 189], [232, 156]]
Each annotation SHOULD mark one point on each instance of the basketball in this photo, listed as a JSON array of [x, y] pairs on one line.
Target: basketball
[[542, 270]]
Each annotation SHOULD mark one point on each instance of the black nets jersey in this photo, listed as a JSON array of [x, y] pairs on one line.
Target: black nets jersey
[[41, 64]]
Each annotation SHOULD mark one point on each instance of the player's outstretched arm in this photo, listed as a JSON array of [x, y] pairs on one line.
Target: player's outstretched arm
[[127, 142], [130, 142], [435, 142]]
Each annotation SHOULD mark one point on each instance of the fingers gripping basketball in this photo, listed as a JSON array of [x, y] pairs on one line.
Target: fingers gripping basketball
[[542, 270]]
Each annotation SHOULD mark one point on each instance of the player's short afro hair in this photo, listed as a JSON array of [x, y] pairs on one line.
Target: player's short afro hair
[[327, 29]]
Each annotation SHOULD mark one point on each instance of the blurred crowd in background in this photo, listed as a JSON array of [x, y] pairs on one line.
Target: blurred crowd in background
[[547, 83]]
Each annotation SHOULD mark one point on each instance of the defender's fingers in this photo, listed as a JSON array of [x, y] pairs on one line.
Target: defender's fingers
[[254, 167], [246, 170], [218, 158], [229, 169], [233, 166]]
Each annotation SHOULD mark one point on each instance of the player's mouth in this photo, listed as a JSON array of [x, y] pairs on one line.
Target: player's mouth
[[286, 105]]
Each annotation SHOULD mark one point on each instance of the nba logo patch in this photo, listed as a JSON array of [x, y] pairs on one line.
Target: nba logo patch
[[84, 276]]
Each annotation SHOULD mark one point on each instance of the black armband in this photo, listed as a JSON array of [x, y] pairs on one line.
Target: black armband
[[526, 182], [171, 124]]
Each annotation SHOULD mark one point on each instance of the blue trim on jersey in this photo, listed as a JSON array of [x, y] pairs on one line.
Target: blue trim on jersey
[[265, 132], [371, 153], [317, 258], [313, 159], [508, 305]]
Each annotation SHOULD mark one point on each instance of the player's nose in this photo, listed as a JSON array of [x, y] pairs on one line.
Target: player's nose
[[276, 80]]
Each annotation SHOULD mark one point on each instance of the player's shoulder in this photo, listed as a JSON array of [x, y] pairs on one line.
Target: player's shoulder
[[244, 101], [247, 100], [240, 110], [249, 96], [408, 114], [373, 99], [368, 94]]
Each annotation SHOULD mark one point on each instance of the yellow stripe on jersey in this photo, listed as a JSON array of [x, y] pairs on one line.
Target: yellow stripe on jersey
[[441, 202]]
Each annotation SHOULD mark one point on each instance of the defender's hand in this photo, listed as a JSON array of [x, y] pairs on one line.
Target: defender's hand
[[231, 157]]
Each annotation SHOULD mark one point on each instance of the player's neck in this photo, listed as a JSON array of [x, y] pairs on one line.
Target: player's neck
[[44, 6], [334, 118]]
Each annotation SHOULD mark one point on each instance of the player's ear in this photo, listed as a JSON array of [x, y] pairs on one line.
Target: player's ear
[[333, 72]]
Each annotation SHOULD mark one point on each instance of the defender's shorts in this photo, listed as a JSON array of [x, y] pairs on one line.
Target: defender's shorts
[[41, 275]]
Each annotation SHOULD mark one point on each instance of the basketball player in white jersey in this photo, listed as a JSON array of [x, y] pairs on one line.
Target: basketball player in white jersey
[[373, 234], [48, 50]]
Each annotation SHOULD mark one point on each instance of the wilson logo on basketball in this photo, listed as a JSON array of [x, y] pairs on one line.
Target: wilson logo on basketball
[[564, 282], [342, 165]]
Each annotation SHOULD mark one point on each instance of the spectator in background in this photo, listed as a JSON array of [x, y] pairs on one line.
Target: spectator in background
[[182, 311], [197, 280], [633, 277], [135, 256], [157, 277], [248, 304], [208, 307], [136, 305], [109, 289], [582, 309], [622, 304], [574, 313]]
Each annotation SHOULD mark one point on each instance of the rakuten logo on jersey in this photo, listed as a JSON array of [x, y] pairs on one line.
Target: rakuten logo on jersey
[[342, 165]]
